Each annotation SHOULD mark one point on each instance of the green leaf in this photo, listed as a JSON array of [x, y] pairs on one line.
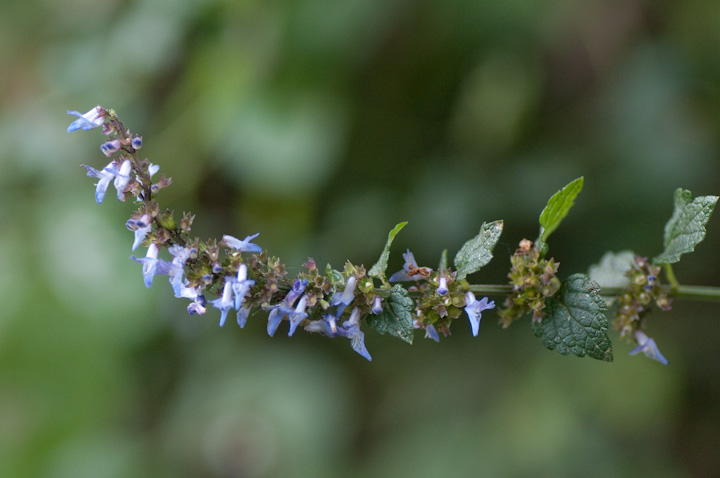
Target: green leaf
[[557, 208], [686, 227], [378, 270], [610, 271], [576, 321], [396, 316], [477, 252]]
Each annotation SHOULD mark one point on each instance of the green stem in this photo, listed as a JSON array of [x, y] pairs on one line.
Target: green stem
[[698, 292], [671, 276]]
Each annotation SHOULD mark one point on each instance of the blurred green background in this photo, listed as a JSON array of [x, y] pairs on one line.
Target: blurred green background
[[321, 124]]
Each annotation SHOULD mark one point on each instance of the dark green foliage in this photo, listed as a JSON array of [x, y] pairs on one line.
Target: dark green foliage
[[575, 321]]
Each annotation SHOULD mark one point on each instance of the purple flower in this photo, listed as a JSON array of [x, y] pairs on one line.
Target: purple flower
[[104, 177], [402, 275], [225, 303], [243, 246], [344, 298], [474, 309], [647, 346], [136, 142], [92, 119]]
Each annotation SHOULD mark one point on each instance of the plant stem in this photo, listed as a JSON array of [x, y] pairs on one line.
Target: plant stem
[[671, 276], [698, 292]]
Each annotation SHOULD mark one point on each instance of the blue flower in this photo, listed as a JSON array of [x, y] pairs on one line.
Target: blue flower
[[241, 286], [327, 326], [110, 147], [176, 271], [136, 142], [243, 246], [92, 119], [377, 305], [442, 287], [104, 177], [242, 315], [297, 289], [647, 346], [225, 303], [141, 227], [430, 331], [150, 264], [197, 307], [350, 329], [122, 178], [279, 311], [298, 315], [410, 264], [344, 298], [474, 309]]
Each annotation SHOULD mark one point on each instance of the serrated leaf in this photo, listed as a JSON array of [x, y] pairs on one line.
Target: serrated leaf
[[378, 270], [686, 227], [396, 316], [575, 321], [477, 252], [558, 207], [610, 271]]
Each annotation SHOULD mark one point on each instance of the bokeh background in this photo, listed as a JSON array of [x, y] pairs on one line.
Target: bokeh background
[[322, 124]]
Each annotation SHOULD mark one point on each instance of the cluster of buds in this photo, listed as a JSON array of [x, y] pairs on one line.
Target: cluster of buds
[[533, 280], [635, 300], [634, 303], [442, 298]]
